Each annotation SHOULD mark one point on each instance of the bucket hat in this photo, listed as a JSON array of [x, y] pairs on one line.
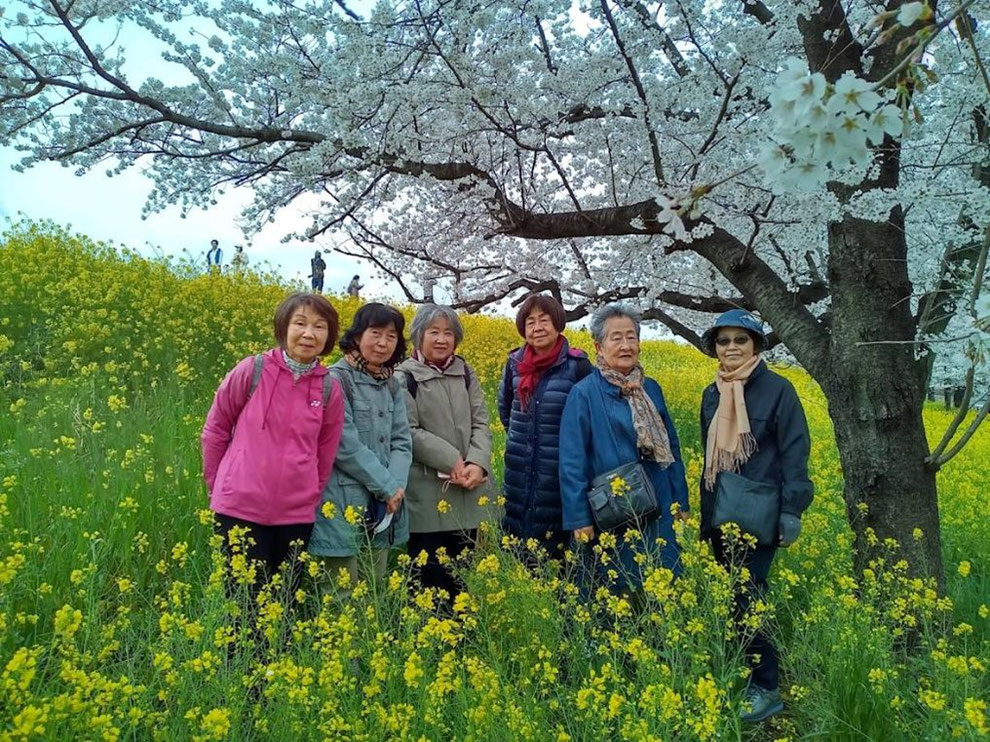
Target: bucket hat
[[733, 318]]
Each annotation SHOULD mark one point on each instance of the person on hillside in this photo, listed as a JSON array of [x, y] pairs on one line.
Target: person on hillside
[[214, 258], [535, 383], [372, 465], [429, 287], [615, 416], [753, 425], [452, 445], [355, 286], [317, 269], [239, 262], [271, 436]]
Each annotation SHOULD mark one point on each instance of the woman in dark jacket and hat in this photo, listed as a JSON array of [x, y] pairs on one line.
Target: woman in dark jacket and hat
[[753, 425], [535, 383]]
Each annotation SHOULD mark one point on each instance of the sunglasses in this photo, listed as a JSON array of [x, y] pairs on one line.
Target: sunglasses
[[738, 340]]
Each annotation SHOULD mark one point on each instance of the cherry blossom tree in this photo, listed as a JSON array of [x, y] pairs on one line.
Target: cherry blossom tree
[[824, 164]]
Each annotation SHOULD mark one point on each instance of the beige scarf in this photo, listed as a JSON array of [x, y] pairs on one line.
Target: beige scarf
[[730, 440], [651, 433]]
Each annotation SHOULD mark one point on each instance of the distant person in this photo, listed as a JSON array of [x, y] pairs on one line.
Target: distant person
[[355, 286], [317, 268], [214, 256], [428, 285], [240, 260]]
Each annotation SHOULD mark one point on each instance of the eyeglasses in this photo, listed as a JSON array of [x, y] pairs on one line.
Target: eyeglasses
[[738, 340]]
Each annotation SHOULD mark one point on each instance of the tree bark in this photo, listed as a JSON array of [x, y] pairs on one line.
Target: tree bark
[[875, 392]]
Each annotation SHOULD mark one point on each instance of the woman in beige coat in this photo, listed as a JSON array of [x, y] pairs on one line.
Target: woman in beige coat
[[452, 445]]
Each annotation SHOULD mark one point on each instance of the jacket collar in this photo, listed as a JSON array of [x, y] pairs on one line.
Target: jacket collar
[[275, 356], [359, 376], [756, 373], [423, 371], [517, 354]]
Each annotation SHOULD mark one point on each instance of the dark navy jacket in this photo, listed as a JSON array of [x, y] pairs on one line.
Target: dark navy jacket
[[532, 486], [783, 444]]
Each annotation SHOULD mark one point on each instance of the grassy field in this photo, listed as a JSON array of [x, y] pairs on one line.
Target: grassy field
[[114, 621]]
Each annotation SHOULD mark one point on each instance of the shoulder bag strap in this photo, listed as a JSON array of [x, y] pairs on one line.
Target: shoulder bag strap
[[259, 362]]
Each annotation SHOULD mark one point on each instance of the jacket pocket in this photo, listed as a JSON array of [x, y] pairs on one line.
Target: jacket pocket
[[228, 471], [362, 415], [760, 427]]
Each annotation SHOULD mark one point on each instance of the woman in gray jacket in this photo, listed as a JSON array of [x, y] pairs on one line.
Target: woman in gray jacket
[[362, 502], [452, 445]]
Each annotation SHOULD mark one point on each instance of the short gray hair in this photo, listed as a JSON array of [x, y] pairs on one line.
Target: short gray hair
[[426, 315], [610, 311]]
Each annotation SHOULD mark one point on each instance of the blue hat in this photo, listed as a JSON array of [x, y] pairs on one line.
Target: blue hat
[[733, 318]]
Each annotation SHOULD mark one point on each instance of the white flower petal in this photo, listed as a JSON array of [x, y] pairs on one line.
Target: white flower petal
[[910, 13]]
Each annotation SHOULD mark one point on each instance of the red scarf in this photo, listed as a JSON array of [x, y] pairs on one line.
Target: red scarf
[[532, 367]]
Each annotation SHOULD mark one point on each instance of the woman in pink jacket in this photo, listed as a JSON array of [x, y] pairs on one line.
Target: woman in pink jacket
[[271, 436]]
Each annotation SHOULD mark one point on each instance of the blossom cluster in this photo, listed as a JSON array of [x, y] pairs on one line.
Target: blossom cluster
[[823, 131]]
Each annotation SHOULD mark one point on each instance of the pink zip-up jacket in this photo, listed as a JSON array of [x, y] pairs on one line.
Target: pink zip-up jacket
[[267, 457]]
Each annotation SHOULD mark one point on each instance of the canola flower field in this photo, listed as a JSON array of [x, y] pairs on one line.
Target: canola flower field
[[115, 622]]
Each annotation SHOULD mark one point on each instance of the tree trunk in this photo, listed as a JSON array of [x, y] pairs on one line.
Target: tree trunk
[[882, 449], [875, 390]]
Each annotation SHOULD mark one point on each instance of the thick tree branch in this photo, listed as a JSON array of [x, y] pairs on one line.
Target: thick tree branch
[[678, 328], [829, 43]]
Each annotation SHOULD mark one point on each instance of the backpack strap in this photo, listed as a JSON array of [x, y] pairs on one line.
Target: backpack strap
[[346, 382], [412, 385], [327, 388], [259, 362]]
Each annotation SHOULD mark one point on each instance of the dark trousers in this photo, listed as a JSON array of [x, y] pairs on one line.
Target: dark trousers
[[317, 283], [272, 547], [757, 560], [434, 574]]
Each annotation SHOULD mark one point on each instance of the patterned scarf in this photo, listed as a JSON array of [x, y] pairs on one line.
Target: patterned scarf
[[298, 369], [651, 432], [730, 440], [532, 366], [417, 356], [362, 364]]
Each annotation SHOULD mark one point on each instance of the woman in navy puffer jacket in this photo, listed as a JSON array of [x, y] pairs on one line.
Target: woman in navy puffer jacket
[[535, 383]]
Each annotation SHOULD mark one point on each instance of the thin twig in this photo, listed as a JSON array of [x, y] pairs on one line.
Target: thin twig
[[950, 431], [951, 453]]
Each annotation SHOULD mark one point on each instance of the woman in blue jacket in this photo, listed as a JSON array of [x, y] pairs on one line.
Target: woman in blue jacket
[[535, 383], [753, 424], [616, 416]]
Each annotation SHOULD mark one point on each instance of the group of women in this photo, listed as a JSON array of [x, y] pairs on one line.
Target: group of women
[[380, 451]]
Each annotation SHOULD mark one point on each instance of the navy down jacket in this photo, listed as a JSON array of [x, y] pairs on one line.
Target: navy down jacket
[[532, 485]]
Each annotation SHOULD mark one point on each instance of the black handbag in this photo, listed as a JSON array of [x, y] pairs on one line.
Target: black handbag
[[753, 506], [615, 506]]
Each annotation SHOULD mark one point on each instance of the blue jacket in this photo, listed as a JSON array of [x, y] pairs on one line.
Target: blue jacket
[[532, 489], [596, 436], [783, 444]]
